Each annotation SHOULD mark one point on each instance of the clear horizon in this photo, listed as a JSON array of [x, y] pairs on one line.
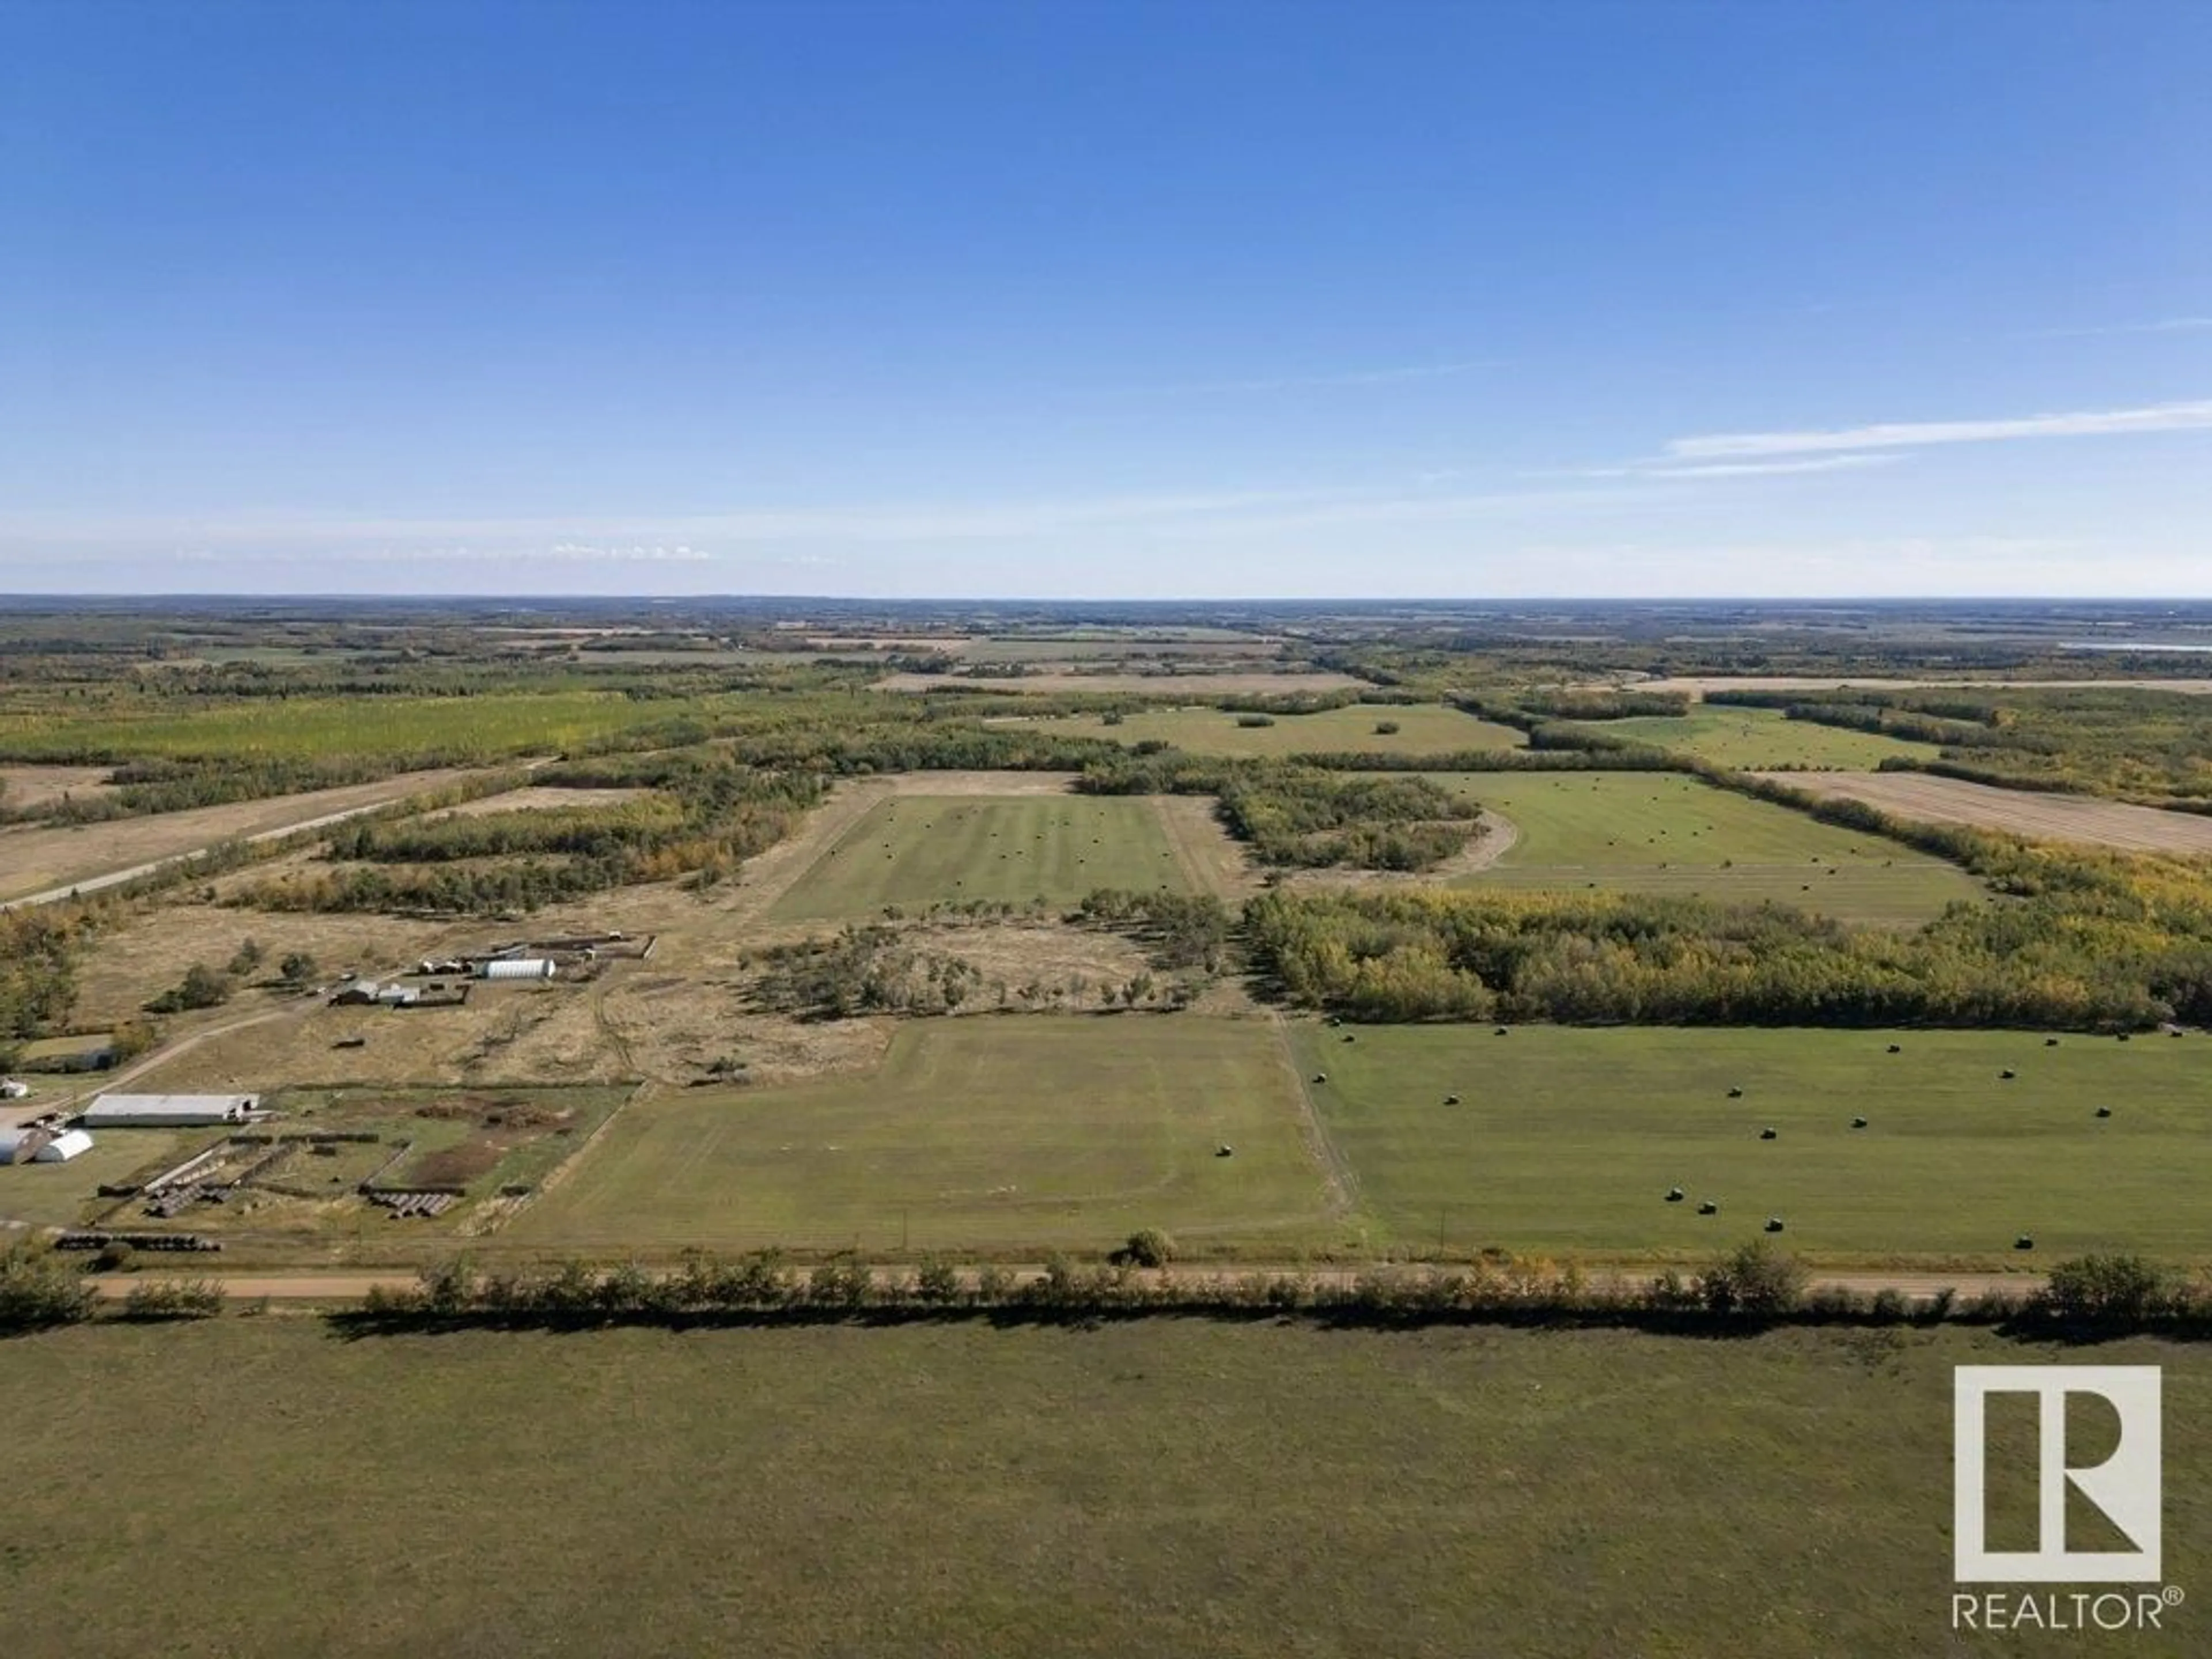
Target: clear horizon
[[1504, 303]]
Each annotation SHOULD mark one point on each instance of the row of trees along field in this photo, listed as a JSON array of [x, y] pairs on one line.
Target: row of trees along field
[[2130, 744], [709, 820]]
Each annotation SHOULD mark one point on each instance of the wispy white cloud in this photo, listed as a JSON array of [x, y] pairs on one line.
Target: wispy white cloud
[[2156, 417], [2162, 325]]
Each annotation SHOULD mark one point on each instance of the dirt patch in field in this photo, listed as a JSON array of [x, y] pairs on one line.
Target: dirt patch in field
[[32, 860], [1135, 685], [537, 799], [24, 789], [2022, 811]]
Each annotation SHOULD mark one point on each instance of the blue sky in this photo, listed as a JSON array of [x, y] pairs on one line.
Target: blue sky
[[1577, 299]]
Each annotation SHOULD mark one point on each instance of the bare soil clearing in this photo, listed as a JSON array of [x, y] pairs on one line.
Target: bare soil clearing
[[29, 787], [2022, 811], [537, 798], [83, 854]]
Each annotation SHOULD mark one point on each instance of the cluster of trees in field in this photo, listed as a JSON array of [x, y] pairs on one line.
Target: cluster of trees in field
[[38, 970], [1297, 816], [1177, 930], [1593, 705], [874, 969], [865, 971], [2132, 744], [713, 818], [2088, 942]]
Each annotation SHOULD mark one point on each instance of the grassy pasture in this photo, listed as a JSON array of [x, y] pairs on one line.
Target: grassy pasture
[[1762, 739], [1211, 1490], [1423, 729], [1011, 1133], [1659, 832], [917, 850], [1570, 1139], [486, 727]]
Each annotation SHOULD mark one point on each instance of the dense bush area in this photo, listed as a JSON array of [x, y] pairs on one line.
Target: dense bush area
[[2088, 942]]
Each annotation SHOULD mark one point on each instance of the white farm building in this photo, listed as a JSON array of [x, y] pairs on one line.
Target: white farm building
[[167, 1111], [518, 967], [37, 1146]]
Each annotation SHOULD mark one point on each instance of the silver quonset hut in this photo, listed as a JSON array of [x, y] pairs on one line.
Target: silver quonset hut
[[168, 1111]]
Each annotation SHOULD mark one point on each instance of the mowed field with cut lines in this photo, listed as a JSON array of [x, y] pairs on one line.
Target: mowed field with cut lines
[[1659, 832], [1569, 1139], [1748, 739], [914, 851], [1423, 729], [1026, 1132]]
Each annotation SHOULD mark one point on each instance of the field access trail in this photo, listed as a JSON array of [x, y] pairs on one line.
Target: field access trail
[[86, 858]]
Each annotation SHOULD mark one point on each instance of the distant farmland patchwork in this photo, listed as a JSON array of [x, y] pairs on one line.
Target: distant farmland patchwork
[[1657, 832], [1417, 729]]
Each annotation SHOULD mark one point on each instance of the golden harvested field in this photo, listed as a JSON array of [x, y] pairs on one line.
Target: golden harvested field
[[2021, 811], [1421, 729], [35, 858]]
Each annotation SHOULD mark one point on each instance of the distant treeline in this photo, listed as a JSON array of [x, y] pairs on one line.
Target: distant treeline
[[2150, 746]]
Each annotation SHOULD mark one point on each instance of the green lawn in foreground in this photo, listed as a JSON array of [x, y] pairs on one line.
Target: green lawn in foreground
[[1569, 1139], [1764, 739], [1163, 1487], [1423, 729], [919, 850], [1659, 832], [1024, 1131]]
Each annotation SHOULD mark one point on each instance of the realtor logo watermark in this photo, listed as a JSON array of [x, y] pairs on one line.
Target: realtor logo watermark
[[2125, 1488]]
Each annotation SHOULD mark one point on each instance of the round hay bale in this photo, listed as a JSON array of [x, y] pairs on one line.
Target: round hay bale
[[1224, 1150], [2050, 1042], [1858, 1123], [1736, 1094], [1897, 1048], [1451, 1100], [2008, 1074], [2023, 1243], [1321, 1077], [1769, 1134], [1673, 1194], [1709, 1208], [2104, 1111], [1774, 1224]]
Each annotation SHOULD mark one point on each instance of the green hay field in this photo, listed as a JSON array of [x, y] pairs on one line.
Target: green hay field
[[488, 728], [1171, 1488], [1762, 739], [1657, 832], [920, 850], [1423, 729], [1022, 1133], [1569, 1139]]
